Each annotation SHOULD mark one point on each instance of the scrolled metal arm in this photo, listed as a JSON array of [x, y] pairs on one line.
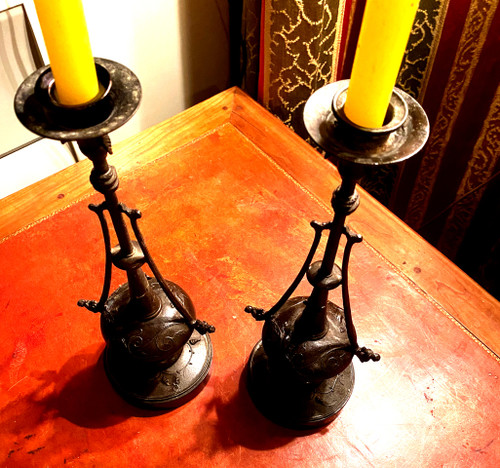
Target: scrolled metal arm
[[100, 306], [200, 326], [260, 314]]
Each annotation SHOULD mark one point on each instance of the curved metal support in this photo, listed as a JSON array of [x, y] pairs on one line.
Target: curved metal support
[[352, 238], [364, 354], [200, 326], [261, 314], [100, 306]]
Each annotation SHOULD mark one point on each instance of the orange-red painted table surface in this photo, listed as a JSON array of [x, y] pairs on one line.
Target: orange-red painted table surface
[[229, 222]]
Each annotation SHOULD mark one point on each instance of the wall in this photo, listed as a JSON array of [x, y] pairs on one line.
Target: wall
[[178, 48]]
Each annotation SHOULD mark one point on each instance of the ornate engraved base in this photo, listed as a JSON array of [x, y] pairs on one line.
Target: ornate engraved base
[[169, 388], [154, 362], [294, 405]]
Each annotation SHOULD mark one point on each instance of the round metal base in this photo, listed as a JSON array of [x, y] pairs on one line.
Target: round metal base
[[293, 405], [170, 387]]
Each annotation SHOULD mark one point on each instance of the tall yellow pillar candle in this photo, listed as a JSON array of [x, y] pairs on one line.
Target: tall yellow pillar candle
[[67, 40], [381, 45]]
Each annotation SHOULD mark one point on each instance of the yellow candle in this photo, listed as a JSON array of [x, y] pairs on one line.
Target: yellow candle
[[381, 45], [67, 40]]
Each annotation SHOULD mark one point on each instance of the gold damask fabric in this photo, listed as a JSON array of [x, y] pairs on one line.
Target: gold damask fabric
[[451, 194], [422, 46], [298, 53], [472, 40], [250, 46], [452, 190]]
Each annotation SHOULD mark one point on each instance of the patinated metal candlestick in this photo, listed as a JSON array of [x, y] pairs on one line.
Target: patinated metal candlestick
[[158, 354], [301, 374]]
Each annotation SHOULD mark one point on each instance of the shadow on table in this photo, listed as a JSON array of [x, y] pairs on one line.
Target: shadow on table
[[87, 399], [80, 393], [239, 423]]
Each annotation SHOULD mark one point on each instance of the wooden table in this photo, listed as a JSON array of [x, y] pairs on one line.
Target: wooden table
[[227, 193]]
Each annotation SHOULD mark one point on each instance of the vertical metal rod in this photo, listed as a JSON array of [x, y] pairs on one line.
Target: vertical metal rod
[[118, 221], [105, 180], [343, 194]]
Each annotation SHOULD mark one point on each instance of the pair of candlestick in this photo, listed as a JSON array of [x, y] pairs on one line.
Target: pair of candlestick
[[158, 354]]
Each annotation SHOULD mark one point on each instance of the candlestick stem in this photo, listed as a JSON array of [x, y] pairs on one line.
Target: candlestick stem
[[104, 179], [314, 321]]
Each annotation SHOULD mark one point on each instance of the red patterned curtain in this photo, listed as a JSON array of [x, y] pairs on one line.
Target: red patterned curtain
[[451, 192]]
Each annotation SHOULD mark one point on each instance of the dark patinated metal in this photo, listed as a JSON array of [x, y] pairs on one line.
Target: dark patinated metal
[[119, 98], [158, 354], [405, 131], [301, 374]]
